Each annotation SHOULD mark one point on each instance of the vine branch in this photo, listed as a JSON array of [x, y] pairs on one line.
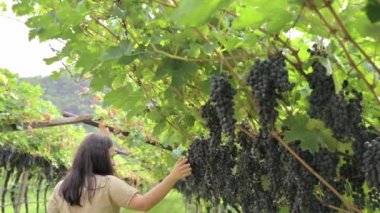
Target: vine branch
[[348, 36], [294, 52], [105, 27], [155, 49], [346, 52]]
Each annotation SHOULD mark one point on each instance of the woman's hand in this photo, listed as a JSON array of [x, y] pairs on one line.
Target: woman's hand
[[145, 202], [181, 170]]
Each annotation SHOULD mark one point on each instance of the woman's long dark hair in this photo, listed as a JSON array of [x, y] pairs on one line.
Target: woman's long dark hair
[[92, 158]]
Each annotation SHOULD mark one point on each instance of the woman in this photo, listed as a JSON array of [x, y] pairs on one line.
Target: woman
[[91, 187]]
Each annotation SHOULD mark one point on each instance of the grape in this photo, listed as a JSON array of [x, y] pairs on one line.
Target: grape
[[374, 198], [371, 166], [209, 114], [268, 79], [222, 94]]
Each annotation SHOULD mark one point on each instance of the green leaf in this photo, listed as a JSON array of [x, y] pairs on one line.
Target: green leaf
[[372, 10], [22, 8], [118, 12], [116, 52], [126, 59], [56, 75], [183, 73], [312, 133], [284, 209], [70, 14], [159, 127], [126, 98], [256, 13], [189, 120], [279, 21], [51, 60], [43, 26], [204, 86], [3, 6], [180, 71], [249, 17], [196, 13], [265, 182]]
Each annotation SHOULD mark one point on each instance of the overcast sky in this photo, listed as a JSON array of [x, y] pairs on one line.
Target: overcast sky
[[17, 53]]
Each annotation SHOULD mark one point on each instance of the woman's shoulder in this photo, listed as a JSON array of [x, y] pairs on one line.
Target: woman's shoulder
[[108, 178], [58, 184], [112, 178]]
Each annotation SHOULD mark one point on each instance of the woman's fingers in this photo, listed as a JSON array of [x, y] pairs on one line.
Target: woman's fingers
[[186, 173], [185, 166], [181, 161]]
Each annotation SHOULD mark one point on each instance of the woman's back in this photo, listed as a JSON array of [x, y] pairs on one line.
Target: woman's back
[[111, 193]]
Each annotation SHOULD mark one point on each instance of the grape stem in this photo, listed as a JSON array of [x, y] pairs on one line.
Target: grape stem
[[105, 27], [332, 206], [173, 56]]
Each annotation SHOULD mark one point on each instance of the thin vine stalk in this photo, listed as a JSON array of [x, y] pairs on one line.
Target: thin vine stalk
[[347, 53], [347, 35]]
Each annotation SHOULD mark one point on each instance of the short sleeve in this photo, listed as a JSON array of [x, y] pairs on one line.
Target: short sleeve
[[120, 192], [53, 205]]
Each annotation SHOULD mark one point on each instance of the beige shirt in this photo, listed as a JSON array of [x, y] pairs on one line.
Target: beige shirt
[[111, 194]]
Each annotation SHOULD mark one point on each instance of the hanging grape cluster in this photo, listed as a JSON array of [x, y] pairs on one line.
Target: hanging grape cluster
[[222, 94], [370, 168], [342, 113], [268, 80]]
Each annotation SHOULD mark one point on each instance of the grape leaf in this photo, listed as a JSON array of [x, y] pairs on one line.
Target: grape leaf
[[196, 13], [372, 10], [311, 132]]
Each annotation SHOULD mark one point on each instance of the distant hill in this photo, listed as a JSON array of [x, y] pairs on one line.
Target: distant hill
[[65, 94]]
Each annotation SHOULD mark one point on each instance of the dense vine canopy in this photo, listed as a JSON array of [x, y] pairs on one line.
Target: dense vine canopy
[[161, 60]]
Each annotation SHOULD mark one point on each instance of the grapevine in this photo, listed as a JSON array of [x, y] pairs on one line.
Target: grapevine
[[261, 157]]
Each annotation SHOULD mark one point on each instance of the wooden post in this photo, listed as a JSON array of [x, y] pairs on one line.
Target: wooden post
[[24, 183]]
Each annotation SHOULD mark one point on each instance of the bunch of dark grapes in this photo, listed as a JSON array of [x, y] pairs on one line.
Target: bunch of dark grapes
[[344, 118], [224, 184], [197, 184], [222, 94], [371, 165], [209, 114], [324, 103], [268, 79], [354, 109], [299, 183], [337, 117], [271, 158], [5, 155], [248, 175], [322, 89], [374, 198], [325, 163]]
